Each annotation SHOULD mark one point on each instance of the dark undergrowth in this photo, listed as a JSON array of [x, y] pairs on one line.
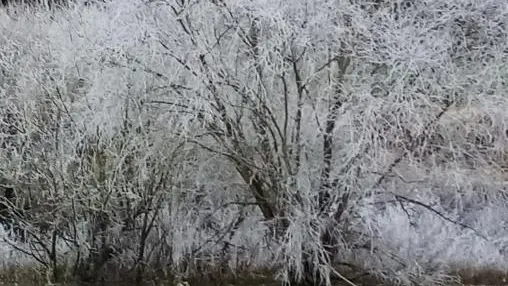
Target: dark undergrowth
[[36, 276]]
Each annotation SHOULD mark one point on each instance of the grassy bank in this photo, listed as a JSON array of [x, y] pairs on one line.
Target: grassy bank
[[34, 276]]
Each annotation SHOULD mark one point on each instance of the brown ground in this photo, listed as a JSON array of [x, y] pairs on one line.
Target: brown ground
[[485, 276], [468, 276]]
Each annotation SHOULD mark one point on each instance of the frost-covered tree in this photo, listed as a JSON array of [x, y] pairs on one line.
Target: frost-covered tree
[[290, 133]]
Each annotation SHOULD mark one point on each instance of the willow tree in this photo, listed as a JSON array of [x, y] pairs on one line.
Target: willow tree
[[329, 112], [317, 103]]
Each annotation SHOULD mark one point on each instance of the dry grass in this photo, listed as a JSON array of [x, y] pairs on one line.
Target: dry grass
[[21, 275], [482, 276], [468, 276]]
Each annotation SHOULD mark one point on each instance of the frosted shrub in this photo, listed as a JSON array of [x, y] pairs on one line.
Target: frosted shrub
[[301, 136]]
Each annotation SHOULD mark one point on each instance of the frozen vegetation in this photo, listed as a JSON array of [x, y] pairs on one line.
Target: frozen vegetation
[[184, 137]]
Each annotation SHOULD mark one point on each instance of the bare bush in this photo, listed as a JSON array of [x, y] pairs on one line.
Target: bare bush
[[185, 136]]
